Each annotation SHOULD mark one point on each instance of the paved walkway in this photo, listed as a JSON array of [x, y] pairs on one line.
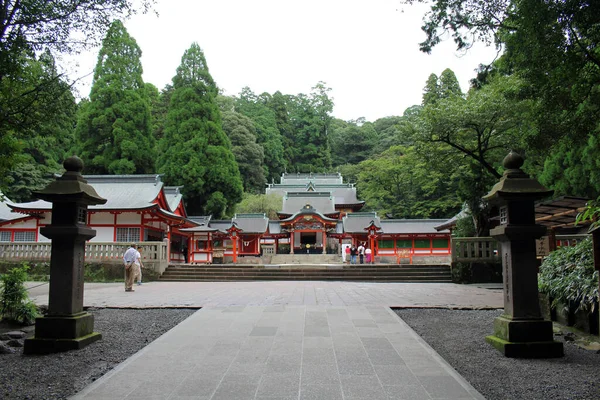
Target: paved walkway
[[205, 294], [286, 340]]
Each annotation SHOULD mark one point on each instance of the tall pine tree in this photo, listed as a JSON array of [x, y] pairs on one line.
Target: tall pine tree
[[268, 134], [114, 129], [194, 151], [248, 154]]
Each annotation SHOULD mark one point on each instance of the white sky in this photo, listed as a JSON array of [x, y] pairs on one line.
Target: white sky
[[365, 50]]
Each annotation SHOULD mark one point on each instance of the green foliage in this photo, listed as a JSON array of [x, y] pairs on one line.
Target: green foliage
[[351, 143], [431, 91], [466, 20], [591, 213], [473, 134], [14, 300], [400, 183], [42, 126], [249, 155], [307, 145], [260, 203], [567, 275], [113, 129], [265, 112], [194, 151], [461, 272], [35, 100], [551, 46], [465, 227]]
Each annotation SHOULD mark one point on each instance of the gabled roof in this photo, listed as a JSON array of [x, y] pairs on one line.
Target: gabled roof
[[200, 219], [411, 226], [251, 223], [358, 221], [309, 210], [5, 211], [451, 223], [322, 202], [343, 194], [297, 178], [123, 192], [221, 225], [174, 196]]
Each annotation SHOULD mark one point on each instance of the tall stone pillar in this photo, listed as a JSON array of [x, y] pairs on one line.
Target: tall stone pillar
[[521, 331], [66, 326]]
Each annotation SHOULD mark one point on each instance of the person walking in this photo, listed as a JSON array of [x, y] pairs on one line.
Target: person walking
[[346, 254], [361, 253], [129, 259], [353, 253], [368, 255]]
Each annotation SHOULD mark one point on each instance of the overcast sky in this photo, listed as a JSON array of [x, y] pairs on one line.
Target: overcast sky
[[367, 51]]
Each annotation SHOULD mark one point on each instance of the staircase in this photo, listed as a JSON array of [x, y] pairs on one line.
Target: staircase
[[306, 272], [305, 259]]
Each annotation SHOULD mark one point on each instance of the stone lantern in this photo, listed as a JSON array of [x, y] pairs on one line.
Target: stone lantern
[[521, 331], [66, 326]]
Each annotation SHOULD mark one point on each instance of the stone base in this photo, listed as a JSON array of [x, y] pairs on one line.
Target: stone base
[[525, 338], [46, 346], [527, 349], [62, 333]]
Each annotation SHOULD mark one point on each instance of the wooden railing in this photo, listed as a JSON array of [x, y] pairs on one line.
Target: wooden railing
[[154, 254]]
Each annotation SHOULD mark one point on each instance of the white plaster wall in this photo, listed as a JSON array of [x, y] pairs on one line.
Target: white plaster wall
[[103, 234], [129, 219], [42, 238], [21, 224], [200, 257], [101, 218], [46, 218]]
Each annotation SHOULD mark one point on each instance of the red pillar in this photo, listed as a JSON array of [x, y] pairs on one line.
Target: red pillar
[[234, 239]]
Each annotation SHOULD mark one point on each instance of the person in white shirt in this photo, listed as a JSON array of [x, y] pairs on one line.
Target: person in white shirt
[[129, 259], [361, 253], [138, 264]]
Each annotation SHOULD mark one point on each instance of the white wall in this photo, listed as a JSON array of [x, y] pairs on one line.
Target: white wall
[[103, 234], [129, 219], [101, 218]]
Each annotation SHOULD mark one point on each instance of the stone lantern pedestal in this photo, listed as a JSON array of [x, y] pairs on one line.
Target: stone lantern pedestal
[[521, 331], [66, 326]]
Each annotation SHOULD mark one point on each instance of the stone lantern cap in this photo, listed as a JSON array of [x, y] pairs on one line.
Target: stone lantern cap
[[516, 184], [71, 186]]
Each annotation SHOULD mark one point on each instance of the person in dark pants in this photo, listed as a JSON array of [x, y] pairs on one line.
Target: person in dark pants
[[361, 253], [185, 253], [353, 253]]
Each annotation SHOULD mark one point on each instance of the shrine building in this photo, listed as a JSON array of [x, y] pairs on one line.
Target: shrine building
[[320, 214]]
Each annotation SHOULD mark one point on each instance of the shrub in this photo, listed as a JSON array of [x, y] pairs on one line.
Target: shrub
[[15, 305], [567, 276], [461, 272]]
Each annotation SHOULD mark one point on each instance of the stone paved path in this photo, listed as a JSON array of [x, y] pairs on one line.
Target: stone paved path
[[204, 294], [285, 340]]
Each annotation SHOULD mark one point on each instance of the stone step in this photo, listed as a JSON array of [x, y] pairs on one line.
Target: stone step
[[391, 273], [312, 278], [306, 259]]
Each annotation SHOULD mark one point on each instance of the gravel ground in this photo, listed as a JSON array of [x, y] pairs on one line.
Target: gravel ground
[[58, 376], [459, 337]]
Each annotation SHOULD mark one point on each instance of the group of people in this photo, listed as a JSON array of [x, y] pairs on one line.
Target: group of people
[[362, 251], [132, 259]]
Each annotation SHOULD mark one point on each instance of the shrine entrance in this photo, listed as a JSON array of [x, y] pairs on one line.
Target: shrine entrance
[[308, 231]]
